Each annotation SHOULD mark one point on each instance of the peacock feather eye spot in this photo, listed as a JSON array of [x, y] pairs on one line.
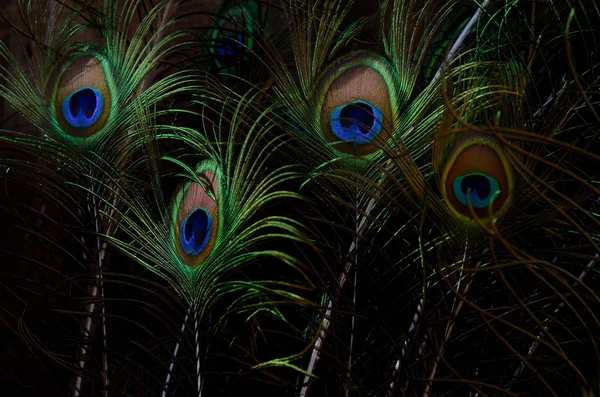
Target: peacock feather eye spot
[[478, 183], [477, 190], [196, 216], [230, 45], [83, 98], [354, 104], [358, 116], [83, 107], [195, 232], [477, 179], [358, 122]]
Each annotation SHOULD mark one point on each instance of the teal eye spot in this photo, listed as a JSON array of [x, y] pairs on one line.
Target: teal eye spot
[[478, 190], [195, 231], [357, 122], [83, 107]]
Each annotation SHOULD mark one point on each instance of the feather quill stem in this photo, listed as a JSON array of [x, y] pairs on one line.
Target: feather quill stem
[[451, 321], [451, 55], [362, 225], [325, 322], [174, 355], [88, 329]]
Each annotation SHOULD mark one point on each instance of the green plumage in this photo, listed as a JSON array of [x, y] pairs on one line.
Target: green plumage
[[299, 198]]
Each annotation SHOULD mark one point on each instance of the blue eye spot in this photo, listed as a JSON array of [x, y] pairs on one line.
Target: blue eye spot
[[83, 107], [195, 231], [230, 45], [478, 190], [358, 122]]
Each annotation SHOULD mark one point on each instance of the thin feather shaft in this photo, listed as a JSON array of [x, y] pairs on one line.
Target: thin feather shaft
[[174, 354], [459, 42]]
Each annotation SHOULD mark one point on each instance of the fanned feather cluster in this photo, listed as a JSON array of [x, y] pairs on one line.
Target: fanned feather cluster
[[300, 198]]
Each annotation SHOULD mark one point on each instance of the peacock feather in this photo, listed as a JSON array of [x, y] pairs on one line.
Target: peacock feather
[[299, 198]]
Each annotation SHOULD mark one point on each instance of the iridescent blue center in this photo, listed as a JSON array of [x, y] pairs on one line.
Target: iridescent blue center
[[477, 190], [357, 122], [230, 45], [195, 232], [83, 107]]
